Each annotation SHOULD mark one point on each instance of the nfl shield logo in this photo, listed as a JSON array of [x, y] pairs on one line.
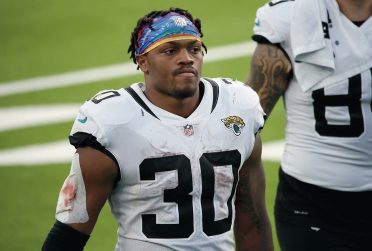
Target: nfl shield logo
[[188, 130]]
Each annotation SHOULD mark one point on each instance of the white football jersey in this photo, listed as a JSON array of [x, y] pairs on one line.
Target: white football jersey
[[178, 175], [328, 130]]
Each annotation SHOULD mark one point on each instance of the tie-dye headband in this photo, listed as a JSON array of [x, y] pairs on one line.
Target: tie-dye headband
[[170, 27]]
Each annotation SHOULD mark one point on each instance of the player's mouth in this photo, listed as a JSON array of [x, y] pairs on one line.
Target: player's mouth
[[186, 72]]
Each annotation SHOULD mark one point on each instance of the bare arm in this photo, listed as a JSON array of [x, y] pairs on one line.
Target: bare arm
[[252, 226], [91, 181], [269, 74], [99, 173]]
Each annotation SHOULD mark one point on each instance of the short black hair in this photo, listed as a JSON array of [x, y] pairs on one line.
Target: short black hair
[[148, 19]]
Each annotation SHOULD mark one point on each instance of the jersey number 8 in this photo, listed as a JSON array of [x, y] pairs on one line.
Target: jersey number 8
[[351, 100]]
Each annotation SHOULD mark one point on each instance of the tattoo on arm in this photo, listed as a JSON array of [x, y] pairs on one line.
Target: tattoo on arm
[[269, 74]]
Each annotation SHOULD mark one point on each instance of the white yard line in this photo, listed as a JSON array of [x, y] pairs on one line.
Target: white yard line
[[112, 71], [61, 152], [50, 153], [26, 116]]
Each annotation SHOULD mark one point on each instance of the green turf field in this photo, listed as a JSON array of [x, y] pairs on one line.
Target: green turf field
[[39, 38]]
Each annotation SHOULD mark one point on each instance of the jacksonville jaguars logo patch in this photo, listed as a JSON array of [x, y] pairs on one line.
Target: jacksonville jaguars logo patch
[[234, 123]]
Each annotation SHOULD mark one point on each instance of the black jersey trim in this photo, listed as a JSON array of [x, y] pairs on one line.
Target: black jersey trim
[[282, 1], [216, 92], [83, 139], [138, 99], [261, 39], [226, 81]]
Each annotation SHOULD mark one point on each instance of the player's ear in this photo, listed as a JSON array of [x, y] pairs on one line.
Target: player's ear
[[142, 63]]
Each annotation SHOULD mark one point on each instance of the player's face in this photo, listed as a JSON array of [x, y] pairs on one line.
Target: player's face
[[174, 68]]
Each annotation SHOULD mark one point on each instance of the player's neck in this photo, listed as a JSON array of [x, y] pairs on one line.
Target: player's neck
[[356, 10], [181, 107]]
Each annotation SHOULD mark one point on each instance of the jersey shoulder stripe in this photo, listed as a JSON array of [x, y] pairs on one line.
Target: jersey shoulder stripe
[[216, 92], [138, 99]]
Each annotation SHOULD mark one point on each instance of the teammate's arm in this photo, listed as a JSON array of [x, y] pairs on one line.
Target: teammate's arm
[[99, 173], [269, 74], [252, 227]]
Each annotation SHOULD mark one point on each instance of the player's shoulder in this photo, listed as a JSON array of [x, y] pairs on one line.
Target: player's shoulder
[[107, 104], [273, 20], [236, 91], [278, 7], [103, 99], [223, 82]]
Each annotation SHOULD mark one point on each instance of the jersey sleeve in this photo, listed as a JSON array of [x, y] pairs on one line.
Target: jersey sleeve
[[89, 130], [272, 22], [89, 126], [86, 130]]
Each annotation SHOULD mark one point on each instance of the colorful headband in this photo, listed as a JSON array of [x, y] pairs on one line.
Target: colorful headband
[[170, 27]]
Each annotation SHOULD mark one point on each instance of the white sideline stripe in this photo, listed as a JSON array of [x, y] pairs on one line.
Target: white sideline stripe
[[112, 71], [51, 153], [61, 152], [273, 151], [26, 116]]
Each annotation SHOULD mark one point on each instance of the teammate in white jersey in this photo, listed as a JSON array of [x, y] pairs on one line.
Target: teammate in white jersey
[[318, 55], [178, 157]]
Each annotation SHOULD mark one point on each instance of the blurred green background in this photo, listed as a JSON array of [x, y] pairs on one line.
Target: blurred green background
[[41, 38]]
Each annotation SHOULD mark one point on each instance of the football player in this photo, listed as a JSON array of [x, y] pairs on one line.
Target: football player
[[178, 156], [318, 55]]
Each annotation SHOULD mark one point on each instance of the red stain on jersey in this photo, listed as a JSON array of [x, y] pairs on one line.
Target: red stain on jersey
[[68, 193]]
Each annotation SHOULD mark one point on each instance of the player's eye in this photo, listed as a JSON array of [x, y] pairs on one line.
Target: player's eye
[[169, 51], [196, 49]]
